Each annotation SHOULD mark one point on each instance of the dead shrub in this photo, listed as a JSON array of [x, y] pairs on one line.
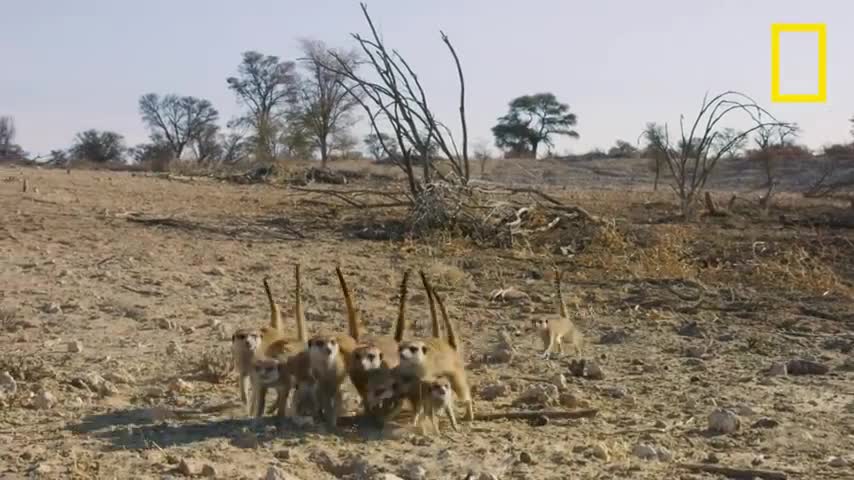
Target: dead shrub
[[8, 316], [449, 277], [795, 269]]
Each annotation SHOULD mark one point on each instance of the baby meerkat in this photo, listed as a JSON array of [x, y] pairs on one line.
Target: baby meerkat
[[437, 396], [553, 330], [244, 346], [437, 357]]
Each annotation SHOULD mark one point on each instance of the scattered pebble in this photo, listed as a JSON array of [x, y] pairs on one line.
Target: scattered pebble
[[180, 386], [44, 400], [217, 271], [837, 462], [690, 329], [75, 346], [806, 367], [644, 452], [8, 385], [601, 452], [559, 381], [493, 391], [209, 471], [569, 400], [540, 394], [52, 308], [173, 348], [614, 337], [189, 468], [526, 458], [723, 421], [414, 471], [593, 371], [777, 370], [766, 422], [166, 324]]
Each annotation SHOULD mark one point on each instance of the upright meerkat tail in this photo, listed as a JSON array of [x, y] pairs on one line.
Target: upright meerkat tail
[[449, 326], [352, 314], [275, 313], [299, 313], [560, 302], [434, 319], [400, 326]]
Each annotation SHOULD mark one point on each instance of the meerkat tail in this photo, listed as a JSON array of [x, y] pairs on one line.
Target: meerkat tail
[[560, 302], [434, 319], [275, 313], [299, 314], [449, 326], [400, 327], [352, 315]]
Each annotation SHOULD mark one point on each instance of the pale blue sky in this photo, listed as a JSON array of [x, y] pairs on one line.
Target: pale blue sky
[[72, 65]]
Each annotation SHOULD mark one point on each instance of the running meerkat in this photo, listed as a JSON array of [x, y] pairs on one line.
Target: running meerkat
[[437, 357], [554, 329]]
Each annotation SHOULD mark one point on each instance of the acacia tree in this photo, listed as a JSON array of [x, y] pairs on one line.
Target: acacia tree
[[374, 143], [698, 151], [394, 99], [266, 87], [179, 122], [534, 120], [326, 100], [99, 147]]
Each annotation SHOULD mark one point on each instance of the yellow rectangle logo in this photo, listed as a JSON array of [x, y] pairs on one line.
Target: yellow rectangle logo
[[817, 28]]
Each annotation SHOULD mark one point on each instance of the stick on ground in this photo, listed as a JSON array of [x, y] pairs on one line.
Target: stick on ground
[[740, 473]]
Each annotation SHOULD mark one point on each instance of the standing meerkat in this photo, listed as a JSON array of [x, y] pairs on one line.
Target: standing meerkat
[[554, 329], [281, 364], [437, 396], [437, 357], [373, 353], [245, 343], [330, 357]]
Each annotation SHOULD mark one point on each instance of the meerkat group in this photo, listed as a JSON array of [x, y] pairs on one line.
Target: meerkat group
[[387, 371]]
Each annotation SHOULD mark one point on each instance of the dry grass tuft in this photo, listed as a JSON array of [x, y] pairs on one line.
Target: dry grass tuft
[[214, 365], [449, 277], [8, 316], [795, 269]]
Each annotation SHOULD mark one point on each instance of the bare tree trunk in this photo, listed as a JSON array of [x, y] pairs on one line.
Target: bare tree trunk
[[657, 174], [324, 152]]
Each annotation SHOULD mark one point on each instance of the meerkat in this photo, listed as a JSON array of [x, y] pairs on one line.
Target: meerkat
[[244, 346], [554, 329], [437, 357], [330, 359], [373, 353], [437, 396], [281, 364]]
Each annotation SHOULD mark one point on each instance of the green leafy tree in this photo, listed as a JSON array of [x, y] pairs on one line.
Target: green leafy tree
[[533, 120]]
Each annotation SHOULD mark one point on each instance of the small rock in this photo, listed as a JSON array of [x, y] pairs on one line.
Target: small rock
[[180, 386], [75, 346], [593, 371], [526, 458], [120, 378], [777, 370], [189, 468], [51, 308], [173, 348], [214, 323], [44, 400], [614, 337], [694, 351], [187, 329], [690, 329], [616, 391], [569, 400], [723, 421], [559, 381], [806, 367], [42, 469], [766, 422], [601, 452], [414, 471], [386, 476], [837, 462], [644, 452], [493, 391], [217, 271], [664, 454], [209, 471], [8, 385], [283, 455], [541, 394], [509, 295]]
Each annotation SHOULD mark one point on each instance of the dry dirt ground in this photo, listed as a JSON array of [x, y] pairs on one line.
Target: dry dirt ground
[[101, 316]]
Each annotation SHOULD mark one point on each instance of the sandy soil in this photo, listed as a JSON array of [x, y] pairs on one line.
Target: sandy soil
[[144, 303]]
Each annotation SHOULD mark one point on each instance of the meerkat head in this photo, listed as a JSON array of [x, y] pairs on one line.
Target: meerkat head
[[323, 350], [246, 340], [367, 358], [413, 352], [540, 324], [266, 370], [439, 390]]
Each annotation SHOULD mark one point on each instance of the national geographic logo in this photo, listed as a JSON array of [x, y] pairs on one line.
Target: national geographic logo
[[814, 28]]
